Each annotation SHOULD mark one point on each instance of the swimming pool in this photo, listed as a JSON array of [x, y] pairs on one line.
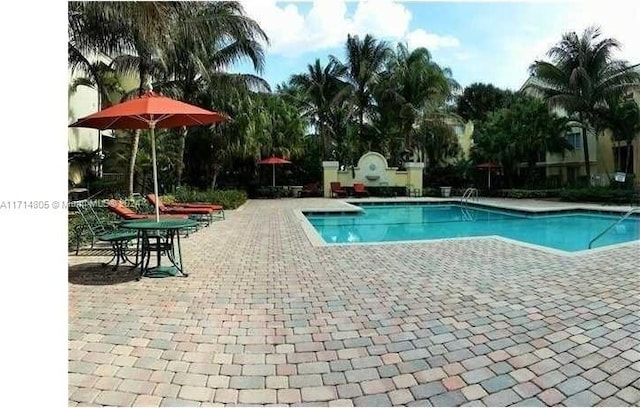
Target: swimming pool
[[566, 231]]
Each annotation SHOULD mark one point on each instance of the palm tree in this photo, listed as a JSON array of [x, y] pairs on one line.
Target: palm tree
[[366, 59], [91, 45], [581, 76], [536, 131], [216, 35], [138, 34], [436, 139], [320, 93], [622, 117], [412, 86]]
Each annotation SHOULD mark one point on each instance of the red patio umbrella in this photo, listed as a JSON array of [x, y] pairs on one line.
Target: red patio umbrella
[[273, 161], [489, 167], [150, 111]]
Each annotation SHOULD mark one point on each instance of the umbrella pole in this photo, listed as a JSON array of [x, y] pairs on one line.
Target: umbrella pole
[[155, 170], [489, 179], [273, 167]]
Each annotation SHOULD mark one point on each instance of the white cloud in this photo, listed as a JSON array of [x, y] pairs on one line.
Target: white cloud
[[617, 20], [421, 38], [384, 18], [327, 25]]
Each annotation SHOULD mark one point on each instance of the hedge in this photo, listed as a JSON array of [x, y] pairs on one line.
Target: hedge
[[522, 193], [605, 195], [229, 199]]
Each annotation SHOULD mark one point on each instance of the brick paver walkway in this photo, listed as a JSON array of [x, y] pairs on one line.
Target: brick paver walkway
[[267, 318]]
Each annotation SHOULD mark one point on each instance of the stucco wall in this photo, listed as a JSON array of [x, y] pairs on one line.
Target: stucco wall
[[82, 102], [372, 171]]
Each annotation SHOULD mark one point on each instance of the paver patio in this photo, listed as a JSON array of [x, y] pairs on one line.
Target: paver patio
[[265, 317]]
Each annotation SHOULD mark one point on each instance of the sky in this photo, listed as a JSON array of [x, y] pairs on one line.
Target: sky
[[479, 41]]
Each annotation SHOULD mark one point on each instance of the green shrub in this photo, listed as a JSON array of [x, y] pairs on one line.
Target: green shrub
[[77, 225], [106, 188], [522, 193], [430, 192], [606, 195], [229, 199]]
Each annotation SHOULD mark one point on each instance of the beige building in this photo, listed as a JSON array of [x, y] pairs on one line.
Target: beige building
[[606, 156]]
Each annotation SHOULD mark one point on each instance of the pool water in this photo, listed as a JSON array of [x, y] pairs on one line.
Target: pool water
[[564, 231]]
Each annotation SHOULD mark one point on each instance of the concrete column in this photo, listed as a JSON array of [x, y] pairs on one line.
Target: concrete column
[[414, 175], [329, 175]]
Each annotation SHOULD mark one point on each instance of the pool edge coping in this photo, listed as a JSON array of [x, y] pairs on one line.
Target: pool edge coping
[[316, 239]]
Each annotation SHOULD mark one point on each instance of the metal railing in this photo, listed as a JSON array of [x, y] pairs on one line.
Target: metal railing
[[469, 194], [624, 217]]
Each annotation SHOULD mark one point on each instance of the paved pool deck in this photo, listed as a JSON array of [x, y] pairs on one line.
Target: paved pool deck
[[268, 317]]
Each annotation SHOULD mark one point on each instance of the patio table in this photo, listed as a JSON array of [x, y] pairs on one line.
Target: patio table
[[166, 234]]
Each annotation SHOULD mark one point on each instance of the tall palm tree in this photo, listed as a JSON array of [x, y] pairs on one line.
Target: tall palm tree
[[414, 84], [140, 29], [320, 92], [215, 36], [366, 59], [92, 43], [582, 74]]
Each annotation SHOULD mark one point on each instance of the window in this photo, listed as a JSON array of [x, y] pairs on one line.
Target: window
[[575, 139]]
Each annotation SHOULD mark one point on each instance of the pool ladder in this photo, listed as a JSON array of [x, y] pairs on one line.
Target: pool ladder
[[624, 217], [469, 194]]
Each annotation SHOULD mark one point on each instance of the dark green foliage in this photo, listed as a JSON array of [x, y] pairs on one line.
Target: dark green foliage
[[444, 176], [523, 132], [519, 193], [77, 225], [479, 100], [106, 188], [229, 199], [605, 195]]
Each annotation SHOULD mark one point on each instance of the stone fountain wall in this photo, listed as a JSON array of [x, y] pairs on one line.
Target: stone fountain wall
[[372, 170]]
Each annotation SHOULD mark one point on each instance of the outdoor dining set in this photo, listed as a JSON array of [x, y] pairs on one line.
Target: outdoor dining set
[[153, 238]]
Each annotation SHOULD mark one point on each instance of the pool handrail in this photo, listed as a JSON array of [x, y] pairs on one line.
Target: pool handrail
[[469, 193], [618, 221]]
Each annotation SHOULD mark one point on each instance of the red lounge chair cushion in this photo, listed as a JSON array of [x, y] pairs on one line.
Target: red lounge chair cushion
[[164, 207], [127, 213]]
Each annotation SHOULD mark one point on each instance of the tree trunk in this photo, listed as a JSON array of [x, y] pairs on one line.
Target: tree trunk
[[214, 177], [181, 147], [144, 77], [629, 152], [585, 147], [361, 124], [132, 159], [214, 180], [532, 177]]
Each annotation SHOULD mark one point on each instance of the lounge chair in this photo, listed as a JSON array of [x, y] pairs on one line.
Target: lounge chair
[[337, 190], [94, 226], [121, 210], [204, 211], [186, 208], [359, 190], [126, 213]]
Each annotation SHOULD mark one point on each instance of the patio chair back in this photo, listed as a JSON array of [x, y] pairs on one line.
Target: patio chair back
[[90, 217], [359, 188], [92, 223]]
